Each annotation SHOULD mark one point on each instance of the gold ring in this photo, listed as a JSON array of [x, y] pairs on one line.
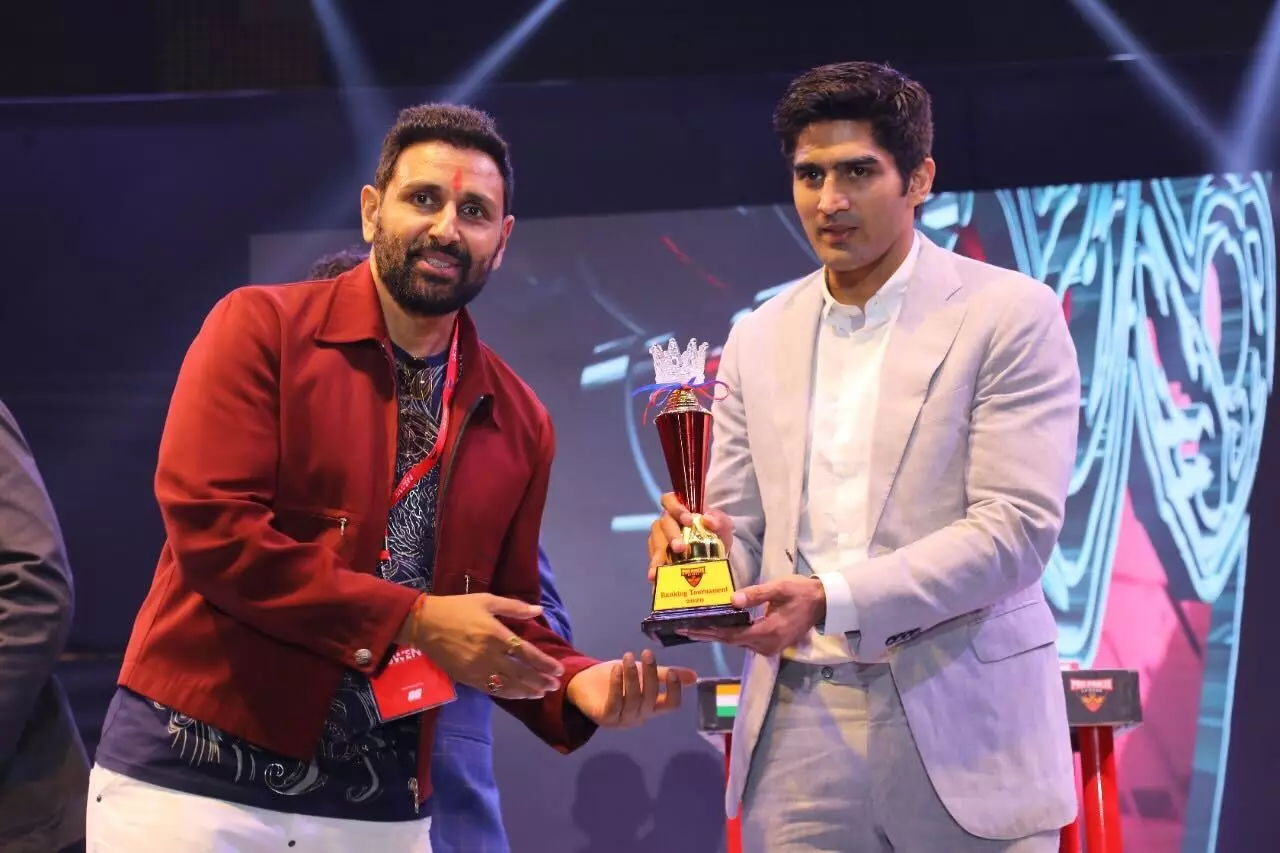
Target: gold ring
[[494, 683], [513, 645]]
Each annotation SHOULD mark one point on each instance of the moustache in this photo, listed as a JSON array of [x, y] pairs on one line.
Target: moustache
[[454, 250]]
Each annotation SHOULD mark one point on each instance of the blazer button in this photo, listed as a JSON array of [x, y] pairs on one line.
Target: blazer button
[[364, 657]]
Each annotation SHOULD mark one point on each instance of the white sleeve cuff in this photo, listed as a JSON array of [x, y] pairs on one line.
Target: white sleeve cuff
[[842, 614]]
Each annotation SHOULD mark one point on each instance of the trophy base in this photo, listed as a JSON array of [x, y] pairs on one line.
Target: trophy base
[[690, 595], [662, 626]]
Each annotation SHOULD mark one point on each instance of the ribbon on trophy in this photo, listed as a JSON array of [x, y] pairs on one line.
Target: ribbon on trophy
[[659, 393]]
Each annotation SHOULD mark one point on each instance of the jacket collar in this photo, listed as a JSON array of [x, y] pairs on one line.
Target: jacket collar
[[355, 316]]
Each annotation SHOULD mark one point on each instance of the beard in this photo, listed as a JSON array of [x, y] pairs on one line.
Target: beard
[[422, 292]]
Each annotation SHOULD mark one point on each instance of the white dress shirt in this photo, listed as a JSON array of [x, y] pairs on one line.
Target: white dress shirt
[[834, 516]]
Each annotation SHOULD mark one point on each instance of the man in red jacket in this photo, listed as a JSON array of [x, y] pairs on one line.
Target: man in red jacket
[[347, 471]]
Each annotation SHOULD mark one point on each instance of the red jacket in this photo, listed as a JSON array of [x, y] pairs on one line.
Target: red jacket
[[274, 482]]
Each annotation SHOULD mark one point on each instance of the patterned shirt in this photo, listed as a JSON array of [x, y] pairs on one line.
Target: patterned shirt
[[362, 769]]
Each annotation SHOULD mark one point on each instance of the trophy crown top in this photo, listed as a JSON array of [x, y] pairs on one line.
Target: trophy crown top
[[673, 367]]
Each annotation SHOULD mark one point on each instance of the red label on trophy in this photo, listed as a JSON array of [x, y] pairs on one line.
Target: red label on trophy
[[695, 588]]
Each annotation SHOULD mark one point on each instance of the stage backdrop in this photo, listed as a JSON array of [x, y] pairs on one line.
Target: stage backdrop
[[1169, 287]]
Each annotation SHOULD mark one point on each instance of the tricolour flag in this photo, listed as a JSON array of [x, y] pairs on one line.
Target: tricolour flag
[[727, 700]]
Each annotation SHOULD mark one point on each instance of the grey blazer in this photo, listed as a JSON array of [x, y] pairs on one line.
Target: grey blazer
[[973, 442], [44, 774]]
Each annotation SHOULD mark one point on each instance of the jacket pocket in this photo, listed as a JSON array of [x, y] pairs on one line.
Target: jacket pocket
[[475, 582], [1013, 632], [459, 583], [307, 524]]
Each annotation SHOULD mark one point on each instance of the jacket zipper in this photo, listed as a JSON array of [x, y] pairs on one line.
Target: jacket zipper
[[435, 556], [444, 484], [340, 520]]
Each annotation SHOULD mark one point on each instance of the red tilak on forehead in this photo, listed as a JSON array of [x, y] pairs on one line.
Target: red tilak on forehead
[[457, 181]]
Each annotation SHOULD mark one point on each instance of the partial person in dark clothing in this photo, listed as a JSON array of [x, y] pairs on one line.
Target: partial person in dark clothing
[[44, 772]]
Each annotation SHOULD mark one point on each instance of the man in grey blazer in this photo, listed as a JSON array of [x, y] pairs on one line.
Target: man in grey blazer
[[44, 774], [890, 467]]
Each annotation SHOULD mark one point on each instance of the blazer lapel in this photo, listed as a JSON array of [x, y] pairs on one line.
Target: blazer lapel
[[793, 351], [921, 337]]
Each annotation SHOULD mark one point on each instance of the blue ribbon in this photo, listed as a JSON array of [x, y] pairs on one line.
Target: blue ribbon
[[661, 392]]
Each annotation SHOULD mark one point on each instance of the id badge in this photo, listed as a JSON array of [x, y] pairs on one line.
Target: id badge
[[410, 683]]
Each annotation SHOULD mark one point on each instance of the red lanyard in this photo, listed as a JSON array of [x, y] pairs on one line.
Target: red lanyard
[[424, 466]]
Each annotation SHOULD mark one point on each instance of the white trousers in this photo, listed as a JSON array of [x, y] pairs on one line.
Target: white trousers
[[128, 816]]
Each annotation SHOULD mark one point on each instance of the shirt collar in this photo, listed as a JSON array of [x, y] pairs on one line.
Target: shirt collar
[[886, 300]]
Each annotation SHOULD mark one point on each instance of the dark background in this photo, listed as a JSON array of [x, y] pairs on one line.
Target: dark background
[[144, 144]]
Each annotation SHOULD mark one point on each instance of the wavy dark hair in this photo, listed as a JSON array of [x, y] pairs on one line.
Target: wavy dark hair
[[897, 108]]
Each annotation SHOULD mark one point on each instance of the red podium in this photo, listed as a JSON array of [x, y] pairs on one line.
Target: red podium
[[1100, 704]]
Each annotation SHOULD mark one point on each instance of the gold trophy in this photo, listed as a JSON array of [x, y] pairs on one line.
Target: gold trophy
[[694, 589]]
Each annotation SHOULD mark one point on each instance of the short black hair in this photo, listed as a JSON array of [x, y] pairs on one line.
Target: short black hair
[[335, 264], [454, 124], [897, 108]]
